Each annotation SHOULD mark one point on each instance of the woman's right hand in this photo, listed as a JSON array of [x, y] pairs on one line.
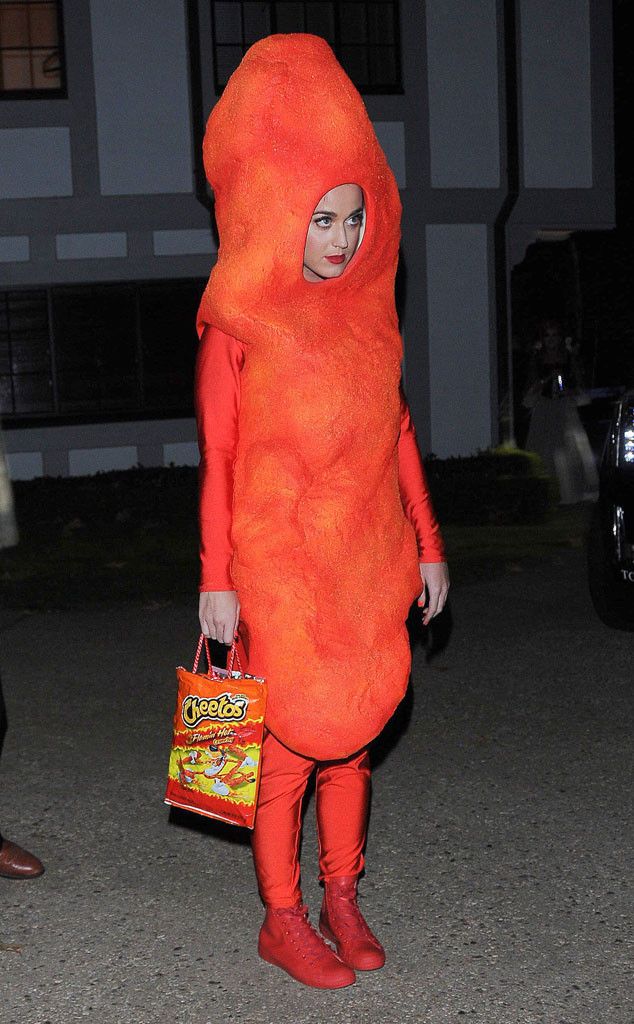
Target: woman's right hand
[[219, 613]]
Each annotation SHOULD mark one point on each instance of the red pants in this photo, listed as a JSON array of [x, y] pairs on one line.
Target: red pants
[[342, 796]]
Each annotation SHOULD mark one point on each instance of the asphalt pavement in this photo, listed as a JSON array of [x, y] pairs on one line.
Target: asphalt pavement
[[499, 872]]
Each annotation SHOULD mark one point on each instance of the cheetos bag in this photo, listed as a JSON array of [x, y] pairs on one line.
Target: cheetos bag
[[214, 766]]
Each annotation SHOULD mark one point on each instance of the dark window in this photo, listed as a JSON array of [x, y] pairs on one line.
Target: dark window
[[95, 348], [168, 343], [105, 351], [31, 49], [363, 33], [26, 384]]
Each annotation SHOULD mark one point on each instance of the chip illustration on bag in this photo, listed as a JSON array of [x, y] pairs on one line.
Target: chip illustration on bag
[[214, 766]]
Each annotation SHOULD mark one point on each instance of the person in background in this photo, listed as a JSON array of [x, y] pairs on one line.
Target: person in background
[[14, 861], [556, 432]]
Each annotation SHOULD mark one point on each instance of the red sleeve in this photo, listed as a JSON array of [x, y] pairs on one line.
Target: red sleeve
[[415, 493], [217, 398]]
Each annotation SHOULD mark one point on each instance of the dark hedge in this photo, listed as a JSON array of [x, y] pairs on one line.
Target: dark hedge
[[493, 487], [489, 488]]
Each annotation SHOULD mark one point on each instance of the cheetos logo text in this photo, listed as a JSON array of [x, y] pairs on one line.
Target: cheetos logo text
[[224, 708]]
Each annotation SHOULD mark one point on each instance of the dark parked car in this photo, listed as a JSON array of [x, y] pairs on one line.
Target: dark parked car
[[611, 536]]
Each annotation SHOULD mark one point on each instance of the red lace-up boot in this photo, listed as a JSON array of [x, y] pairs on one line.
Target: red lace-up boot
[[342, 923], [288, 940]]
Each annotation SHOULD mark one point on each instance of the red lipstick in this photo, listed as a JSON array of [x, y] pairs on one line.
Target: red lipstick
[[335, 259]]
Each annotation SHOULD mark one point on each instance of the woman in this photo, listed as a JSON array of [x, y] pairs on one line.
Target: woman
[[311, 479], [556, 432]]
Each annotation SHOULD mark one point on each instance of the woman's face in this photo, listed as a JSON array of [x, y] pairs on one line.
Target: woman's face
[[552, 339], [333, 234]]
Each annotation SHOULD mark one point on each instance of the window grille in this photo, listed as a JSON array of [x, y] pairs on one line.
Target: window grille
[[363, 33], [80, 352], [31, 49]]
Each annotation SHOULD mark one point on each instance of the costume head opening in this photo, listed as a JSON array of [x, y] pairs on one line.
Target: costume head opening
[[334, 233]]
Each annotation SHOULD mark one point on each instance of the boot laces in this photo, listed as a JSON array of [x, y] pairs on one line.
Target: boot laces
[[348, 916], [308, 943]]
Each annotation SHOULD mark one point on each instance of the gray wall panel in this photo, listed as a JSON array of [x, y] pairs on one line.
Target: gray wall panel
[[35, 162], [142, 95], [91, 245], [459, 347], [187, 241], [44, 268], [462, 69], [391, 136], [25, 465], [90, 447], [87, 461], [14, 248], [556, 93]]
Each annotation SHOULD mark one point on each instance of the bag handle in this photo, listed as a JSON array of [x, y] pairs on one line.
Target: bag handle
[[233, 655]]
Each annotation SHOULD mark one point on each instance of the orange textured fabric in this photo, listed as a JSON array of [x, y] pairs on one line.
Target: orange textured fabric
[[220, 360], [325, 561]]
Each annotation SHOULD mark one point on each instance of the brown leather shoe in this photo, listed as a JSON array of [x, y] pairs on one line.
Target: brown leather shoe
[[288, 940], [18, 863], [342, 923]]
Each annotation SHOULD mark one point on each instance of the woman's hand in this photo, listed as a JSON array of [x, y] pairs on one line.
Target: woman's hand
[[435, 577], [219, 613]]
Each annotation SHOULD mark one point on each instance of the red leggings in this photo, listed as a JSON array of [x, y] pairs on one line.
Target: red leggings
[[342, 795]]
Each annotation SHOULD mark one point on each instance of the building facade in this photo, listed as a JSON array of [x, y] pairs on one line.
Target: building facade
[[495, 115]]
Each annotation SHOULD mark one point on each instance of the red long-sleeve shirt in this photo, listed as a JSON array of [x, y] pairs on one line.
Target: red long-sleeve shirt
[[220, 360]]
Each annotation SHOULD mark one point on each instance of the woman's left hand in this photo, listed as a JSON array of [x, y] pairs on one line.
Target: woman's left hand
[[435, 578]]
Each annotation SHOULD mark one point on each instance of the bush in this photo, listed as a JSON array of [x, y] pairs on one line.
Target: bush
[[501, 486], [132, 535], [125, 497]]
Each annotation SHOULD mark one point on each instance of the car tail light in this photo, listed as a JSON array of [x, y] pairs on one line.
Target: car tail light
[[625, 436]]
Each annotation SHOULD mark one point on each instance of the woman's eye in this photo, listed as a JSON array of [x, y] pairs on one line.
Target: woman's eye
[[323, 222], [356, 220]]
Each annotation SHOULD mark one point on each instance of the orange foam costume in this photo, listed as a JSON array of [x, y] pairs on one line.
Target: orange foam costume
[[306, 449]]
